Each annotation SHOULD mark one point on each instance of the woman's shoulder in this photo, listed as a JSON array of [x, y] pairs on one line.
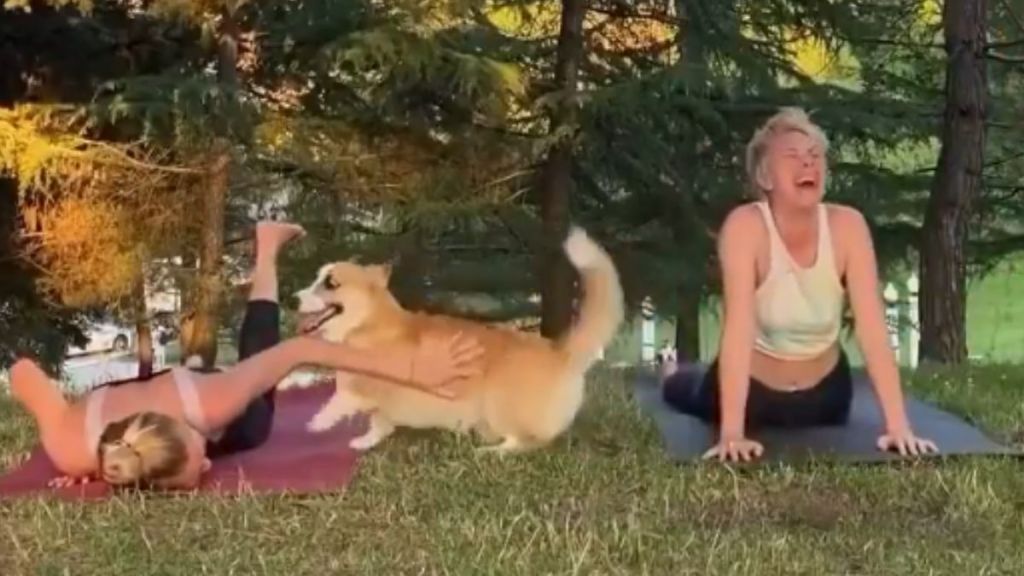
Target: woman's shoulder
[[845, 218], [849, 230], [742, 220], [743, 216]]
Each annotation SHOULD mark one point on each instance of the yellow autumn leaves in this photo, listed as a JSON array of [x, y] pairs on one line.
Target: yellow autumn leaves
[[93, 211]]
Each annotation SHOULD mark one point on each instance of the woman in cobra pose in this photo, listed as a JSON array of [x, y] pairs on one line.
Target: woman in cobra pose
[[163, 431], [788, 262]]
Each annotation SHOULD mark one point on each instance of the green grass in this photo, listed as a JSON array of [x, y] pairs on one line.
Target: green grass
[[603, 500], [995, 314]]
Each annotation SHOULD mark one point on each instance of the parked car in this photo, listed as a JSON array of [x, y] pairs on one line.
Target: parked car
[[104, 337]]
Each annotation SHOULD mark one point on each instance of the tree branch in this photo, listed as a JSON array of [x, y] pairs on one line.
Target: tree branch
[[1010, 44], [621, 11], [1004, 58], [1013, 15], [898, 43]]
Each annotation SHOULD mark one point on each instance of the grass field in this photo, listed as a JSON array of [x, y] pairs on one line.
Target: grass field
[[604, 500], [995, 314]]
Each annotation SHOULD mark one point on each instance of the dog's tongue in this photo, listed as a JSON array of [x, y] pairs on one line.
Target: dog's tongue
[[310, 322]]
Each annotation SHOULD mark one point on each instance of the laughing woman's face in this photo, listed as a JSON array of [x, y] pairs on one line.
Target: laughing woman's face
[[793, 172]]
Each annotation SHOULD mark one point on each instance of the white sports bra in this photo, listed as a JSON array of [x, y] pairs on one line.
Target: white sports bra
[[95, 424], [799, 310]]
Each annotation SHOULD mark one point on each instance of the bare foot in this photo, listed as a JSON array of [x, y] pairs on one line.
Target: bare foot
[[667, 368], [271, 236], [25, 376], [35, 391]]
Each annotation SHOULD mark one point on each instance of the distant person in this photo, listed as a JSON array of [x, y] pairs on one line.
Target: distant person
[[666, 355], [788, 262], [163, 431]]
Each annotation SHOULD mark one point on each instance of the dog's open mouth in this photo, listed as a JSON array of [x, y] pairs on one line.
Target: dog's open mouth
[[312, 321]]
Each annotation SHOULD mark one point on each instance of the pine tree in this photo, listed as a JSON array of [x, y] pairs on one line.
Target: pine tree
[[54, 173]]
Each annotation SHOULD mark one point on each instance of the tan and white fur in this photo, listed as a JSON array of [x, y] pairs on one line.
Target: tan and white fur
[[531, 387]]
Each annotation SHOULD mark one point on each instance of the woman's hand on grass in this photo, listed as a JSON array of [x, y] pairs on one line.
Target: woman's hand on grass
[[904, 442], [735, 449]]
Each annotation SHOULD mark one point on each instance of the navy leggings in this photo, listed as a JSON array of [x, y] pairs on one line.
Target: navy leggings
[[825, 404]]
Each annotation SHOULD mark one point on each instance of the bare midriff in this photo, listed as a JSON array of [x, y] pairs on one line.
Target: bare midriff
[[791, 375]]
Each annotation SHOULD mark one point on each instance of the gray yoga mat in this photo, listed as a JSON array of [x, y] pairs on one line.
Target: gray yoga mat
[[687, 437]]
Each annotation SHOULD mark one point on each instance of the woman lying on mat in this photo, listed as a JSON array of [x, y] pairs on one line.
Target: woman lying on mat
[[163, 431], [788, 261]]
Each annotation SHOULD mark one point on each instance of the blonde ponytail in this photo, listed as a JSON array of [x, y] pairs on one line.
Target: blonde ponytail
[[141, 448]]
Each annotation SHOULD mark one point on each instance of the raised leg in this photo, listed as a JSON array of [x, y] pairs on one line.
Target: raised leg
[[270, 238], [260, 331], [40, 396]]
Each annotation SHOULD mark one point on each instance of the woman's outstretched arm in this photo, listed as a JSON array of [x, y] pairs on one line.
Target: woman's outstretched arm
[[873, 336], [737, 254], [430, 364]]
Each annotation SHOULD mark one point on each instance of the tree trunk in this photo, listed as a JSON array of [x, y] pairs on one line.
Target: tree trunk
[[203, 324], [956, 186], [556, 177], [411, 272], [143, 331], [187, 289], [202, 338], [694, 63], [227, 50], [688, 328]]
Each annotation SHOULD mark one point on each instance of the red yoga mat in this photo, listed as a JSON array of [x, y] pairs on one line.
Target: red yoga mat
[[292, 460]]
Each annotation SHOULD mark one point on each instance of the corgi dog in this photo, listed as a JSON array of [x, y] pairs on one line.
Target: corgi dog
[[530, 389]]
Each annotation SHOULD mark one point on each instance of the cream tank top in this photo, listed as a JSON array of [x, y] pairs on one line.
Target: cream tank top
[[799, 310]]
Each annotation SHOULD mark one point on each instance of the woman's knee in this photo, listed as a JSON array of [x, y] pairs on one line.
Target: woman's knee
[[683, 391], [260, 328], [249, 430]]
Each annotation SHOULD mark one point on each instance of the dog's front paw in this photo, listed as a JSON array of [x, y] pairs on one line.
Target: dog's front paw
[[364, 442], [322, 422]]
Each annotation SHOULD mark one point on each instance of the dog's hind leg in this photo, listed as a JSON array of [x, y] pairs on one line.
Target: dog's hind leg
[[486, 434], [510, 445], [380, 428]]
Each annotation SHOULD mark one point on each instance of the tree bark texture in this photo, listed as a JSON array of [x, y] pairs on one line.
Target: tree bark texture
[[202, 337], [956, 186], [143, 331], [203, 326], [694, 62], [556, 181], [688, 329]]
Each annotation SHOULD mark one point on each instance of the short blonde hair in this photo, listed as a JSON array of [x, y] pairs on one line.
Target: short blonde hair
[[787, 119], [142, 448]]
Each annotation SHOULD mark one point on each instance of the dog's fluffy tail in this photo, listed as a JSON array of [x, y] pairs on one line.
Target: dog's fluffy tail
[[601, 308]]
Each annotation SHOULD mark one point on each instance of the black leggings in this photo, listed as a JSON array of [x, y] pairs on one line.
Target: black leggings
[[261, 329], [825, 404]]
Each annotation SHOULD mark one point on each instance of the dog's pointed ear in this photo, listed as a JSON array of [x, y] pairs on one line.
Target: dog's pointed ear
[[382, 272]]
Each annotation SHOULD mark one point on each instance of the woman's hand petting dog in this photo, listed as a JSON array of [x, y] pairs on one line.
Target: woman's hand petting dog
[[440, 359]]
